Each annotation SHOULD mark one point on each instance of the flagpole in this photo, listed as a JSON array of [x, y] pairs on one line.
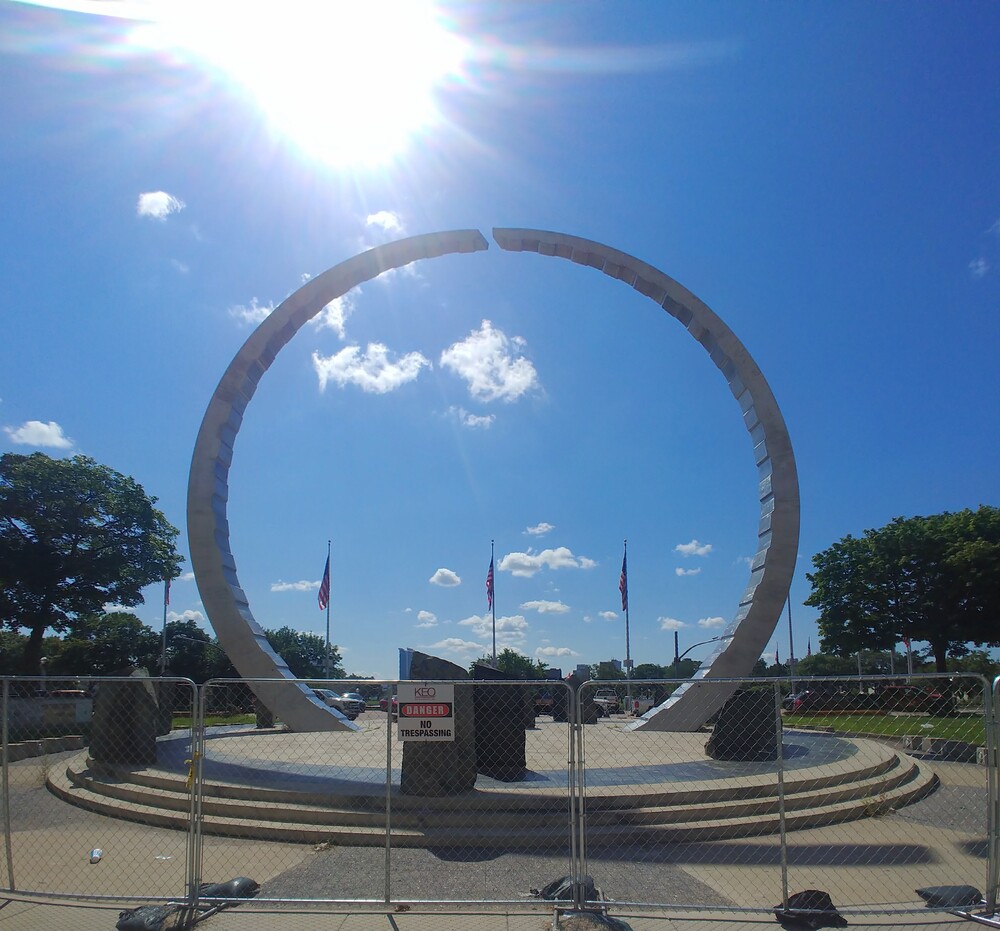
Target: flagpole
[[628, 653], [163, 637], [326, 654], [493, 603], [791, 647]]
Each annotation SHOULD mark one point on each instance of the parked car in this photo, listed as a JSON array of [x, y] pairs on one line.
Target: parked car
[[608, 701], [914, 698], [346, 706], [357, 696], [544, 702], [383, 704], [833, 699]]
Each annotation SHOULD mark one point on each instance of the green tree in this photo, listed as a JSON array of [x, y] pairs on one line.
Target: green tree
[[826, 664], [103, 644], [934, 579], [192, 654], [304, 653], [74, 536], [514, 663]]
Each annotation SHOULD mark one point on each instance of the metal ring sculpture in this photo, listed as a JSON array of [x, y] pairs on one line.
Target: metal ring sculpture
[[208, 486], [778, 530]]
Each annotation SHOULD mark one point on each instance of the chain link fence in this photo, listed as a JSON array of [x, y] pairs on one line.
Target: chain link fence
[[99, 745], [870, 788], [476, 793]]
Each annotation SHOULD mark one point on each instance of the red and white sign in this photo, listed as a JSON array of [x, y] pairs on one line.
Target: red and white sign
[[426, 711]]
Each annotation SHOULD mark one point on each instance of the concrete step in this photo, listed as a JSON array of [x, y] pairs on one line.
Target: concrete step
[[162, 799]]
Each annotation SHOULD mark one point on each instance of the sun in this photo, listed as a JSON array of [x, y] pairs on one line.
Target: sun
[[350, 82]]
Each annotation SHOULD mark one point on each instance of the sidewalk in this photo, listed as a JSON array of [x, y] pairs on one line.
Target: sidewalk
[[36, 916]]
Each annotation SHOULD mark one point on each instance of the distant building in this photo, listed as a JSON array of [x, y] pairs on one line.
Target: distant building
[[609, 669]]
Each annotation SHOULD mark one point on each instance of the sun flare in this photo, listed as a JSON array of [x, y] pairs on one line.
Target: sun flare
[[350, 83]]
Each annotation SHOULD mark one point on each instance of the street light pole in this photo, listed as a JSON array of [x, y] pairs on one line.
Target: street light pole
[[700, 643]]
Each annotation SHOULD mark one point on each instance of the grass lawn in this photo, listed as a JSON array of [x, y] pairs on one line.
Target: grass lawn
[[969, 729], [184, 721]]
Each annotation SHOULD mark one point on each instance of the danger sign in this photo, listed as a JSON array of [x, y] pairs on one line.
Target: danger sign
[[426, 711]]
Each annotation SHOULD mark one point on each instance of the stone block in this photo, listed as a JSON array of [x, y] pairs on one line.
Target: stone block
[[438, 768], [500, 723], [126, 722], [747, 728]]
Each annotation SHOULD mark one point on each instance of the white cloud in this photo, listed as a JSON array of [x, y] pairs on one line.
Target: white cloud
[[181, 267], [185, 577], [710, 623], [682, 572], [545, 607], [526, 565], [744, 560], [372, 372], [36, 433], [426, 619], [115, 609], [510, 629], [485, 361], [670, 623], [445, 578], [555, 651], [694, 548], [188, 615], [484, 421], [252, 313], [301, 586], [158, 205], [539, 530], [457, 645], [386, 221], [335, 314], [609, 615], [979, 267]]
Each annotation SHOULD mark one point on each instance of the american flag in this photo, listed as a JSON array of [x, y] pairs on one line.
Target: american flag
[[324, 587], [489, 586], [623, 584], [166, 592]]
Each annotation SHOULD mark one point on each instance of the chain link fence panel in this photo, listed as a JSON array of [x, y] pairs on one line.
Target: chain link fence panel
[[915, 812], [474, 793], [878, 786], [445, 792], [664, 820], [99, 745]]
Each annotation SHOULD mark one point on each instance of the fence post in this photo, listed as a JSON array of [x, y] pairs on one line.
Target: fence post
[[390, 699], [577, 768], [8, 846], [781, 795], [197, 755], [993, 791]]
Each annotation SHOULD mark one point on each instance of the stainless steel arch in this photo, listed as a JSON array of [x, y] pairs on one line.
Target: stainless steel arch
[[778, 530], [208, 484]]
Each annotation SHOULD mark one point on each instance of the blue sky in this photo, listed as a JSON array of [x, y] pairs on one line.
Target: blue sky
[[825, 177]]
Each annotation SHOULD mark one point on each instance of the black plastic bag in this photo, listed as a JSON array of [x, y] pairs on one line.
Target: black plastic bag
[[561, 889], [154, 918], [811, 908], [242, 887]]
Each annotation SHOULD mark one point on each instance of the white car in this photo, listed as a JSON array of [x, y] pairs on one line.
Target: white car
[[346, 706]]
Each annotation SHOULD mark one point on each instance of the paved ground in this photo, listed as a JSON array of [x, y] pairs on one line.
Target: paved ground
[[38, 916], [883, 859]]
